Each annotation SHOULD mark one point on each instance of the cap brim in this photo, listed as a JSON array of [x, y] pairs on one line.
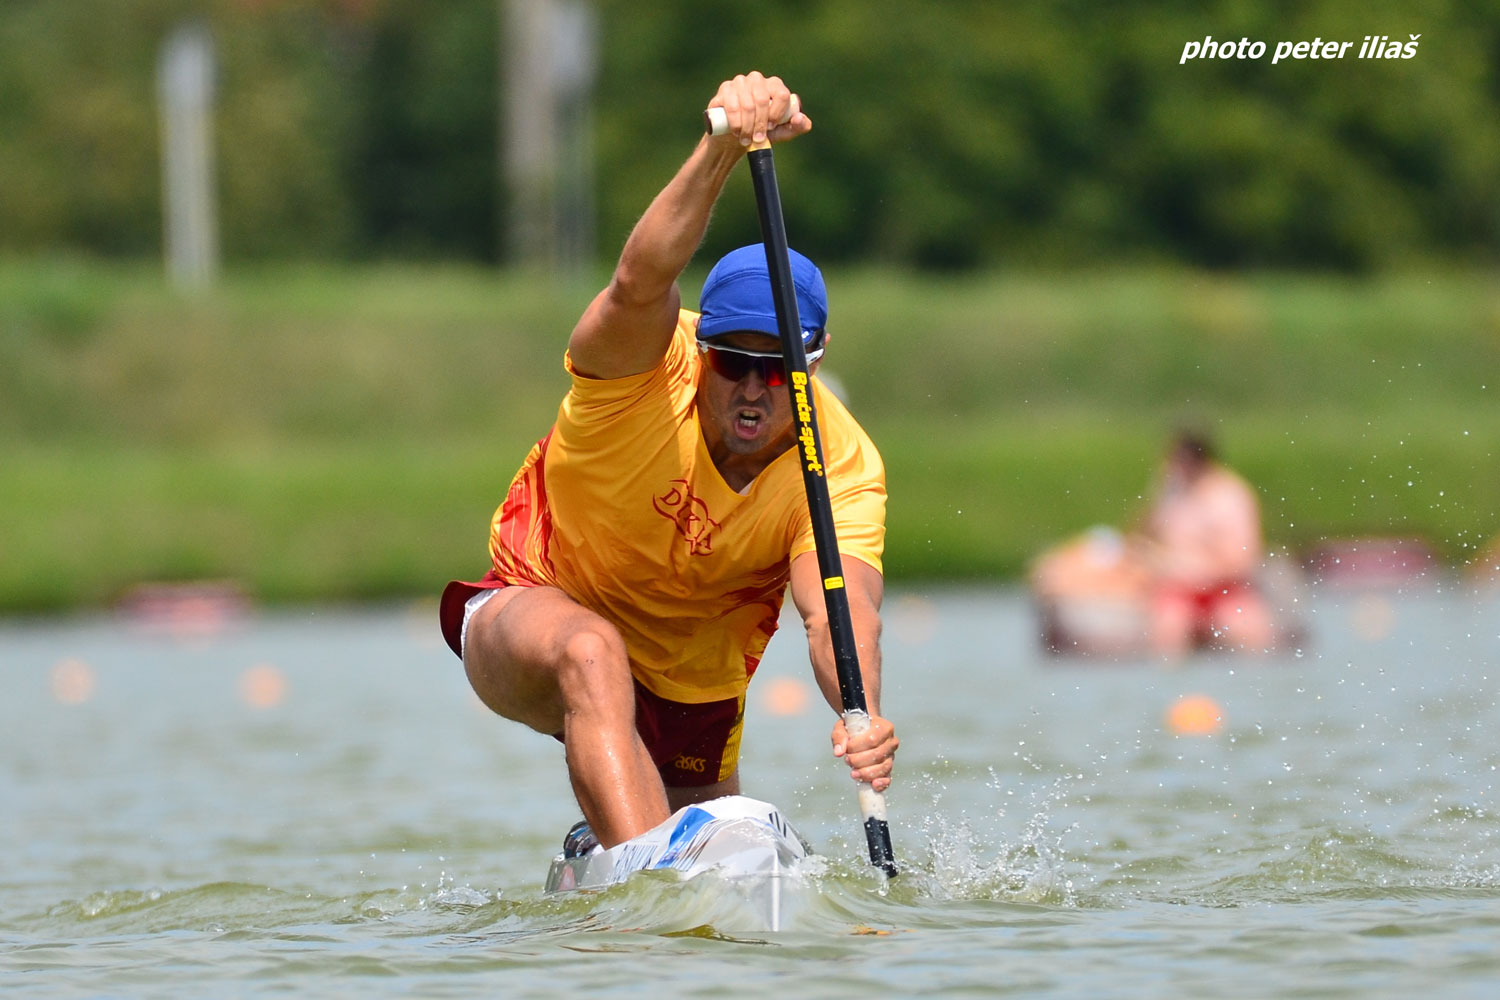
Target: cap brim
[[719, 326], [723, 326]]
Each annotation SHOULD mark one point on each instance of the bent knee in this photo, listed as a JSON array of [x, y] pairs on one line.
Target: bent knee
[[593, 659]]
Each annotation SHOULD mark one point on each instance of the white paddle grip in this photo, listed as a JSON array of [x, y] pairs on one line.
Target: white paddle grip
[[871, 802], [717, 120]]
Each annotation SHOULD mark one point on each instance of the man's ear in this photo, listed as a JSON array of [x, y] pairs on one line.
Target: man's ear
[[812, 369]]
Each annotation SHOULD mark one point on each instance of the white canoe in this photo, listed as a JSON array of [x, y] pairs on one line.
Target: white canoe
[[741, 840]]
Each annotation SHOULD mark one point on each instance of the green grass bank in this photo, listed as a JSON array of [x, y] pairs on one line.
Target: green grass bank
[[326, 433]]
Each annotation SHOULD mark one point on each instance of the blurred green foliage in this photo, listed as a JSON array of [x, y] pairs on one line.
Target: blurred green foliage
[[344, 432], [950, 134]]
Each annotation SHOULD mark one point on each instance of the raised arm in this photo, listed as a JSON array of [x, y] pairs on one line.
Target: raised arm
[[871, 754], [627, 327]]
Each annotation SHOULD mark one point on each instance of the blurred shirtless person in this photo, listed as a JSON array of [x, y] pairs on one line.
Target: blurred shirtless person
[[1202, 543]]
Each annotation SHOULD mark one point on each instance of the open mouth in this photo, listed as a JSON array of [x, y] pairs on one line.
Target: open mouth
[[747, 422]]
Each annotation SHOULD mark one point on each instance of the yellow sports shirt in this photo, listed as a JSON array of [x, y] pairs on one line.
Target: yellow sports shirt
[[621, 507]]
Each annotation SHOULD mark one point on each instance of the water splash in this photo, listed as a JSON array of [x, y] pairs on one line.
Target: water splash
[[964, 864]]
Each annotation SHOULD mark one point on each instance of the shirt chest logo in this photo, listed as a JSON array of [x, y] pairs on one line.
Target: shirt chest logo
[[690, 514]]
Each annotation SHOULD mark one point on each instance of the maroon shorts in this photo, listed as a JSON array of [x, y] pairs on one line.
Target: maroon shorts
[[451, 607], [691, 744]]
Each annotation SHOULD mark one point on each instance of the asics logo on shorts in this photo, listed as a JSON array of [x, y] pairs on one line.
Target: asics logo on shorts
[[685, 763]]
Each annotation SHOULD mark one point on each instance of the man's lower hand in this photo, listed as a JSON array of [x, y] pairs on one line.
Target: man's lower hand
[[871, 754]]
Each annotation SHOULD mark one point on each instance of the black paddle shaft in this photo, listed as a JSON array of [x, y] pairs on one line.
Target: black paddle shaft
[[810, 450], [809, 442]]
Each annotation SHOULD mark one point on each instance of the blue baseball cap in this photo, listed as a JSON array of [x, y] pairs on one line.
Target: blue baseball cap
[[737, 296]]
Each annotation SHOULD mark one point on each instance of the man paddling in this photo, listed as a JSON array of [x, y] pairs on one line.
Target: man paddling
[[641, 556]]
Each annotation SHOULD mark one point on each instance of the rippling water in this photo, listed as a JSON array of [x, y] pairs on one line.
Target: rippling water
[[314, 802]]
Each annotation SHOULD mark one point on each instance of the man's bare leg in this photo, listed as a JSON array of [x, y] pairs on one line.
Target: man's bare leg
[[535, 655], [1244, 621], [1172, 618]]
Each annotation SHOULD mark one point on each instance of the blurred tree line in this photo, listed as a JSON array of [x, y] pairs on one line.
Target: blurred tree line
[[950, 133]]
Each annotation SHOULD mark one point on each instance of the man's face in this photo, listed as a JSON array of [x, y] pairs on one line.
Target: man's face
[[747, 415]]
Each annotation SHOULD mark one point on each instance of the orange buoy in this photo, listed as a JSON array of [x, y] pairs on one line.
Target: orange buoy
[[786, 696], [1195, 715], [262, 686], [72, 681]]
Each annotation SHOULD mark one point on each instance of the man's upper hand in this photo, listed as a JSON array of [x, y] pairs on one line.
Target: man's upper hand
[[759, 107]]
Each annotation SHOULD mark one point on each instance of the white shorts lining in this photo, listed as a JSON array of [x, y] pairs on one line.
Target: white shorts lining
[[472, 605]]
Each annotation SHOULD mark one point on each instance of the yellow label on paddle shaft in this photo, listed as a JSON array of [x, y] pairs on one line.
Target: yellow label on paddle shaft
[[833, 582], [811, 460]]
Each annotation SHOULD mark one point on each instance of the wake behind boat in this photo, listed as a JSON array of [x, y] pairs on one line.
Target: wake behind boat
[[745, 842]]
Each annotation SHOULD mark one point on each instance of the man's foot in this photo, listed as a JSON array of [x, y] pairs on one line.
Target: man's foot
[[580, 840]]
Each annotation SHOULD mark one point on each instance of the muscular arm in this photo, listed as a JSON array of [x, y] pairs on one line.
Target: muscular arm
[[870, 754], [627, 327]]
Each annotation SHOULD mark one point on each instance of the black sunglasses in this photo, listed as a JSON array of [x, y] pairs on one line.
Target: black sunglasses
[[734, 363]]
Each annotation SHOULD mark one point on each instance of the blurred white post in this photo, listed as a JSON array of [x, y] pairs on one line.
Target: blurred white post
[[574, 69], [547, 77], [185, 91]]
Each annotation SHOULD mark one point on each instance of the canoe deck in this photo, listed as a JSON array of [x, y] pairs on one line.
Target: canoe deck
[[741, 840]]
